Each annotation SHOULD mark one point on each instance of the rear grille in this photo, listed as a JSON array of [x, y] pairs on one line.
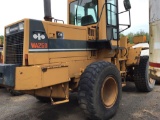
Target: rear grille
[[14, 48]]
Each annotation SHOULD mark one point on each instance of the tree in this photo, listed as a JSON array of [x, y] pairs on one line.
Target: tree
[[130, 37], [122, 35], [1, 37]]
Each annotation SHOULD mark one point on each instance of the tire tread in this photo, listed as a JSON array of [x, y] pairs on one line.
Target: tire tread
[[140, 76], [88, 79]]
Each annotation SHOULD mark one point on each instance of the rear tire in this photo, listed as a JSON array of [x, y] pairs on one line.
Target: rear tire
[[99, 91], [141, 77]]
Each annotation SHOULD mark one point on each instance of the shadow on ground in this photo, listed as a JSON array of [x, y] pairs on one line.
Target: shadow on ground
[[66, 111], [130, 87]]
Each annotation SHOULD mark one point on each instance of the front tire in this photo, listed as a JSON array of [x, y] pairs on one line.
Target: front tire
[[100, 90], [141, 77]]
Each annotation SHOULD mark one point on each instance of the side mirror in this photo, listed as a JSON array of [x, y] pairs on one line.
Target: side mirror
[[127, 5]]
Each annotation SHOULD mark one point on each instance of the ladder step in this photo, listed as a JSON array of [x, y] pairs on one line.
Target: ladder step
[[60, 102], [122, 72]]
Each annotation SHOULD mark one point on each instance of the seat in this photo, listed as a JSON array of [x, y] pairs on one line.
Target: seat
[[86, 20]]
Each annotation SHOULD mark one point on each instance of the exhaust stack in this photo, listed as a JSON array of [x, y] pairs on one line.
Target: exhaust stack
[[47, 10]]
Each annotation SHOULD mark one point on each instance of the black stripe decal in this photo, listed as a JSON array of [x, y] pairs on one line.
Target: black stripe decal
[[58, 50], [67, 44]]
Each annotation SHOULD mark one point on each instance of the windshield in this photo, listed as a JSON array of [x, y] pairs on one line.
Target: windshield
[[83, 12]]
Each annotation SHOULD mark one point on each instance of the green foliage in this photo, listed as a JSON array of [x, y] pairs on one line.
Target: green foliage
[[122, 35], [1, 39], [131, 35]]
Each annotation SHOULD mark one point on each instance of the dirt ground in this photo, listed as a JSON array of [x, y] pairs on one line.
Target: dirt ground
[[133, 106]]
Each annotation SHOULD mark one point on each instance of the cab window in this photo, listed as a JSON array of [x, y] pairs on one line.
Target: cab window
[[111, 14], [83, 12]]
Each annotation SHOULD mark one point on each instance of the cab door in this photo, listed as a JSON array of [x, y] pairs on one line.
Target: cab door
[[112, 19]]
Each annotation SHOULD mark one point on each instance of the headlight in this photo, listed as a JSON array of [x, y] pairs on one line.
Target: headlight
[[7, 30], [21, 26], [15, 28]]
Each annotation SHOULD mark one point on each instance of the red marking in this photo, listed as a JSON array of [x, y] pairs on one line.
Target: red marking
[[154, 64], [39, 45]]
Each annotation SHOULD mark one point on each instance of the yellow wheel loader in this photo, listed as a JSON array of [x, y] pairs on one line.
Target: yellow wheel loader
[[49, 59]]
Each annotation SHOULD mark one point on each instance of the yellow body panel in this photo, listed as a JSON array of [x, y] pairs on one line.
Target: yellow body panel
[[139, 39], [71, 32], [28, 78], [55, 91], [133, 56], [102, 24], [36, 77]]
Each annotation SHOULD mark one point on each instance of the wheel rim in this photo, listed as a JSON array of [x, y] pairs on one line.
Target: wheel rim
[[109, 92], [151, 81]]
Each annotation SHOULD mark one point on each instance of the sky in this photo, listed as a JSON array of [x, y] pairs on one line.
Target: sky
[[14, 10], [139, 16]]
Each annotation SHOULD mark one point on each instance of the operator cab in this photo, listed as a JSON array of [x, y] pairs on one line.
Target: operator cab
[[92, 12], [83, 13]]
